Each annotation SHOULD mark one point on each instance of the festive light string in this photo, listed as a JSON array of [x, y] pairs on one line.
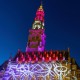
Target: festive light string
[[36, 70]]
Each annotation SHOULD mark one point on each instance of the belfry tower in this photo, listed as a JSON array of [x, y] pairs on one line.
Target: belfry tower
[[36, 39]]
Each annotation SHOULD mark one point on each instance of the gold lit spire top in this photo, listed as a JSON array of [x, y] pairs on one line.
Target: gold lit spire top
[[41, 6]]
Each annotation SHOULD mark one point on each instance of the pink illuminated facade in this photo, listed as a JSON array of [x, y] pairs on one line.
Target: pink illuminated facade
[[36, 39]]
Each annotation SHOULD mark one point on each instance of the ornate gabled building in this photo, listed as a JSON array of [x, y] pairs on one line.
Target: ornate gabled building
[[37, 63]]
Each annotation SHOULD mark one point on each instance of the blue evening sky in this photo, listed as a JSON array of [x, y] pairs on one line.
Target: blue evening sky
[[62, 25]]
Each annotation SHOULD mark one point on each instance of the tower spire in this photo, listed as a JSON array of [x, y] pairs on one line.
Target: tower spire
[[39, 19], [41, 6], [36, 39]]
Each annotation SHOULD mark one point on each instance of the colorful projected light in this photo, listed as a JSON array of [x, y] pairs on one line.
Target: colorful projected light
[[51, 71], [36, 39], [37, 63]]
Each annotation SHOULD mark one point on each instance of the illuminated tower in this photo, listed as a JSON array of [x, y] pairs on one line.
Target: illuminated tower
[[36, 39], [37, 63]]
